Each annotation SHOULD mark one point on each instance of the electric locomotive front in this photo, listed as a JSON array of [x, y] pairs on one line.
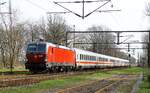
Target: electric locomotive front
[[36, 57]]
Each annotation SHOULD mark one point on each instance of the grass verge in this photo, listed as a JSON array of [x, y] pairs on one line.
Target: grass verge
[[145, 86], [132, 70], [15, 71]]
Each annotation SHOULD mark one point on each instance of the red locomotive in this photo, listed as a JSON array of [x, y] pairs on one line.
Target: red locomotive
[[47, 56]]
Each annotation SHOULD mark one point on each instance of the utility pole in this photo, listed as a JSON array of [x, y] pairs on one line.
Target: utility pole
[[149, 59], [129, 55], [10, 12], [74, 37], [83, 10], [11, 30], [118, 36], [67, 39], [11, 36]]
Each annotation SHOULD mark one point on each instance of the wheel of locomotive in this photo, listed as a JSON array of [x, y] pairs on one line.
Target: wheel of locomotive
[[63, 69], [60, 69], [50, 70], [55, 69]]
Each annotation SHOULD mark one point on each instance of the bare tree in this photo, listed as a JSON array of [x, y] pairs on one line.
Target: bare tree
[[56, 30], [11, 41], [33, 32], [3, 47], [100, 40], [82, 38]]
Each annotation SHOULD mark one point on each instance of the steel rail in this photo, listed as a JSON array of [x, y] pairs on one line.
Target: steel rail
[[32, 79]]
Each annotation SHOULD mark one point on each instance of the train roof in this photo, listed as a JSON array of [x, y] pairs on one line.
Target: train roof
[[51, 44], [80, 51]]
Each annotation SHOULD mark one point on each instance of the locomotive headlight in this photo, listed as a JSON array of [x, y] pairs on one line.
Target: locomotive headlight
[[45, 58], [40, 55]]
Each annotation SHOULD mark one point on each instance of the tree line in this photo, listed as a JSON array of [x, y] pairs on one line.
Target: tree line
[[13, 42]]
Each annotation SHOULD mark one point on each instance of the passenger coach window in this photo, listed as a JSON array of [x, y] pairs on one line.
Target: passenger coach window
[[100, 59], [80, 56], [95, 58], [105, 59], [86, 57]]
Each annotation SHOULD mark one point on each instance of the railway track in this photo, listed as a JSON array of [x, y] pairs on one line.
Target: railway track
[[28, 79], [99, 86], [10, 76], [22, 80]]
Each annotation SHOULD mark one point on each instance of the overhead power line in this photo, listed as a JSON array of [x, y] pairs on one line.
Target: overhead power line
[[36, 5], [109, 10], [84, 1]]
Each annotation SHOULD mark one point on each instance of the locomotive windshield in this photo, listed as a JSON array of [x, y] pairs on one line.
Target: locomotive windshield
[[36, 48]]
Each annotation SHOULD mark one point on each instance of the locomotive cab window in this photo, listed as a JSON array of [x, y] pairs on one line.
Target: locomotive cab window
[[36, 48], [41, 47], [31, 48]]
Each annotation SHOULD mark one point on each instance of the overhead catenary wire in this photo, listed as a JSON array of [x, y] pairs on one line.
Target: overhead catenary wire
[[68, 9], [36, 5], [116, 20], [83, 1]]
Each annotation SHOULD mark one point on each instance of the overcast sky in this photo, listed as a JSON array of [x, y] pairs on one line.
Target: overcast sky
[[131, 16]]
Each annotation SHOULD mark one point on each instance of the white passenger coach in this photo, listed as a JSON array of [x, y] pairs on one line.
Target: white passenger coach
[[87, 59]]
